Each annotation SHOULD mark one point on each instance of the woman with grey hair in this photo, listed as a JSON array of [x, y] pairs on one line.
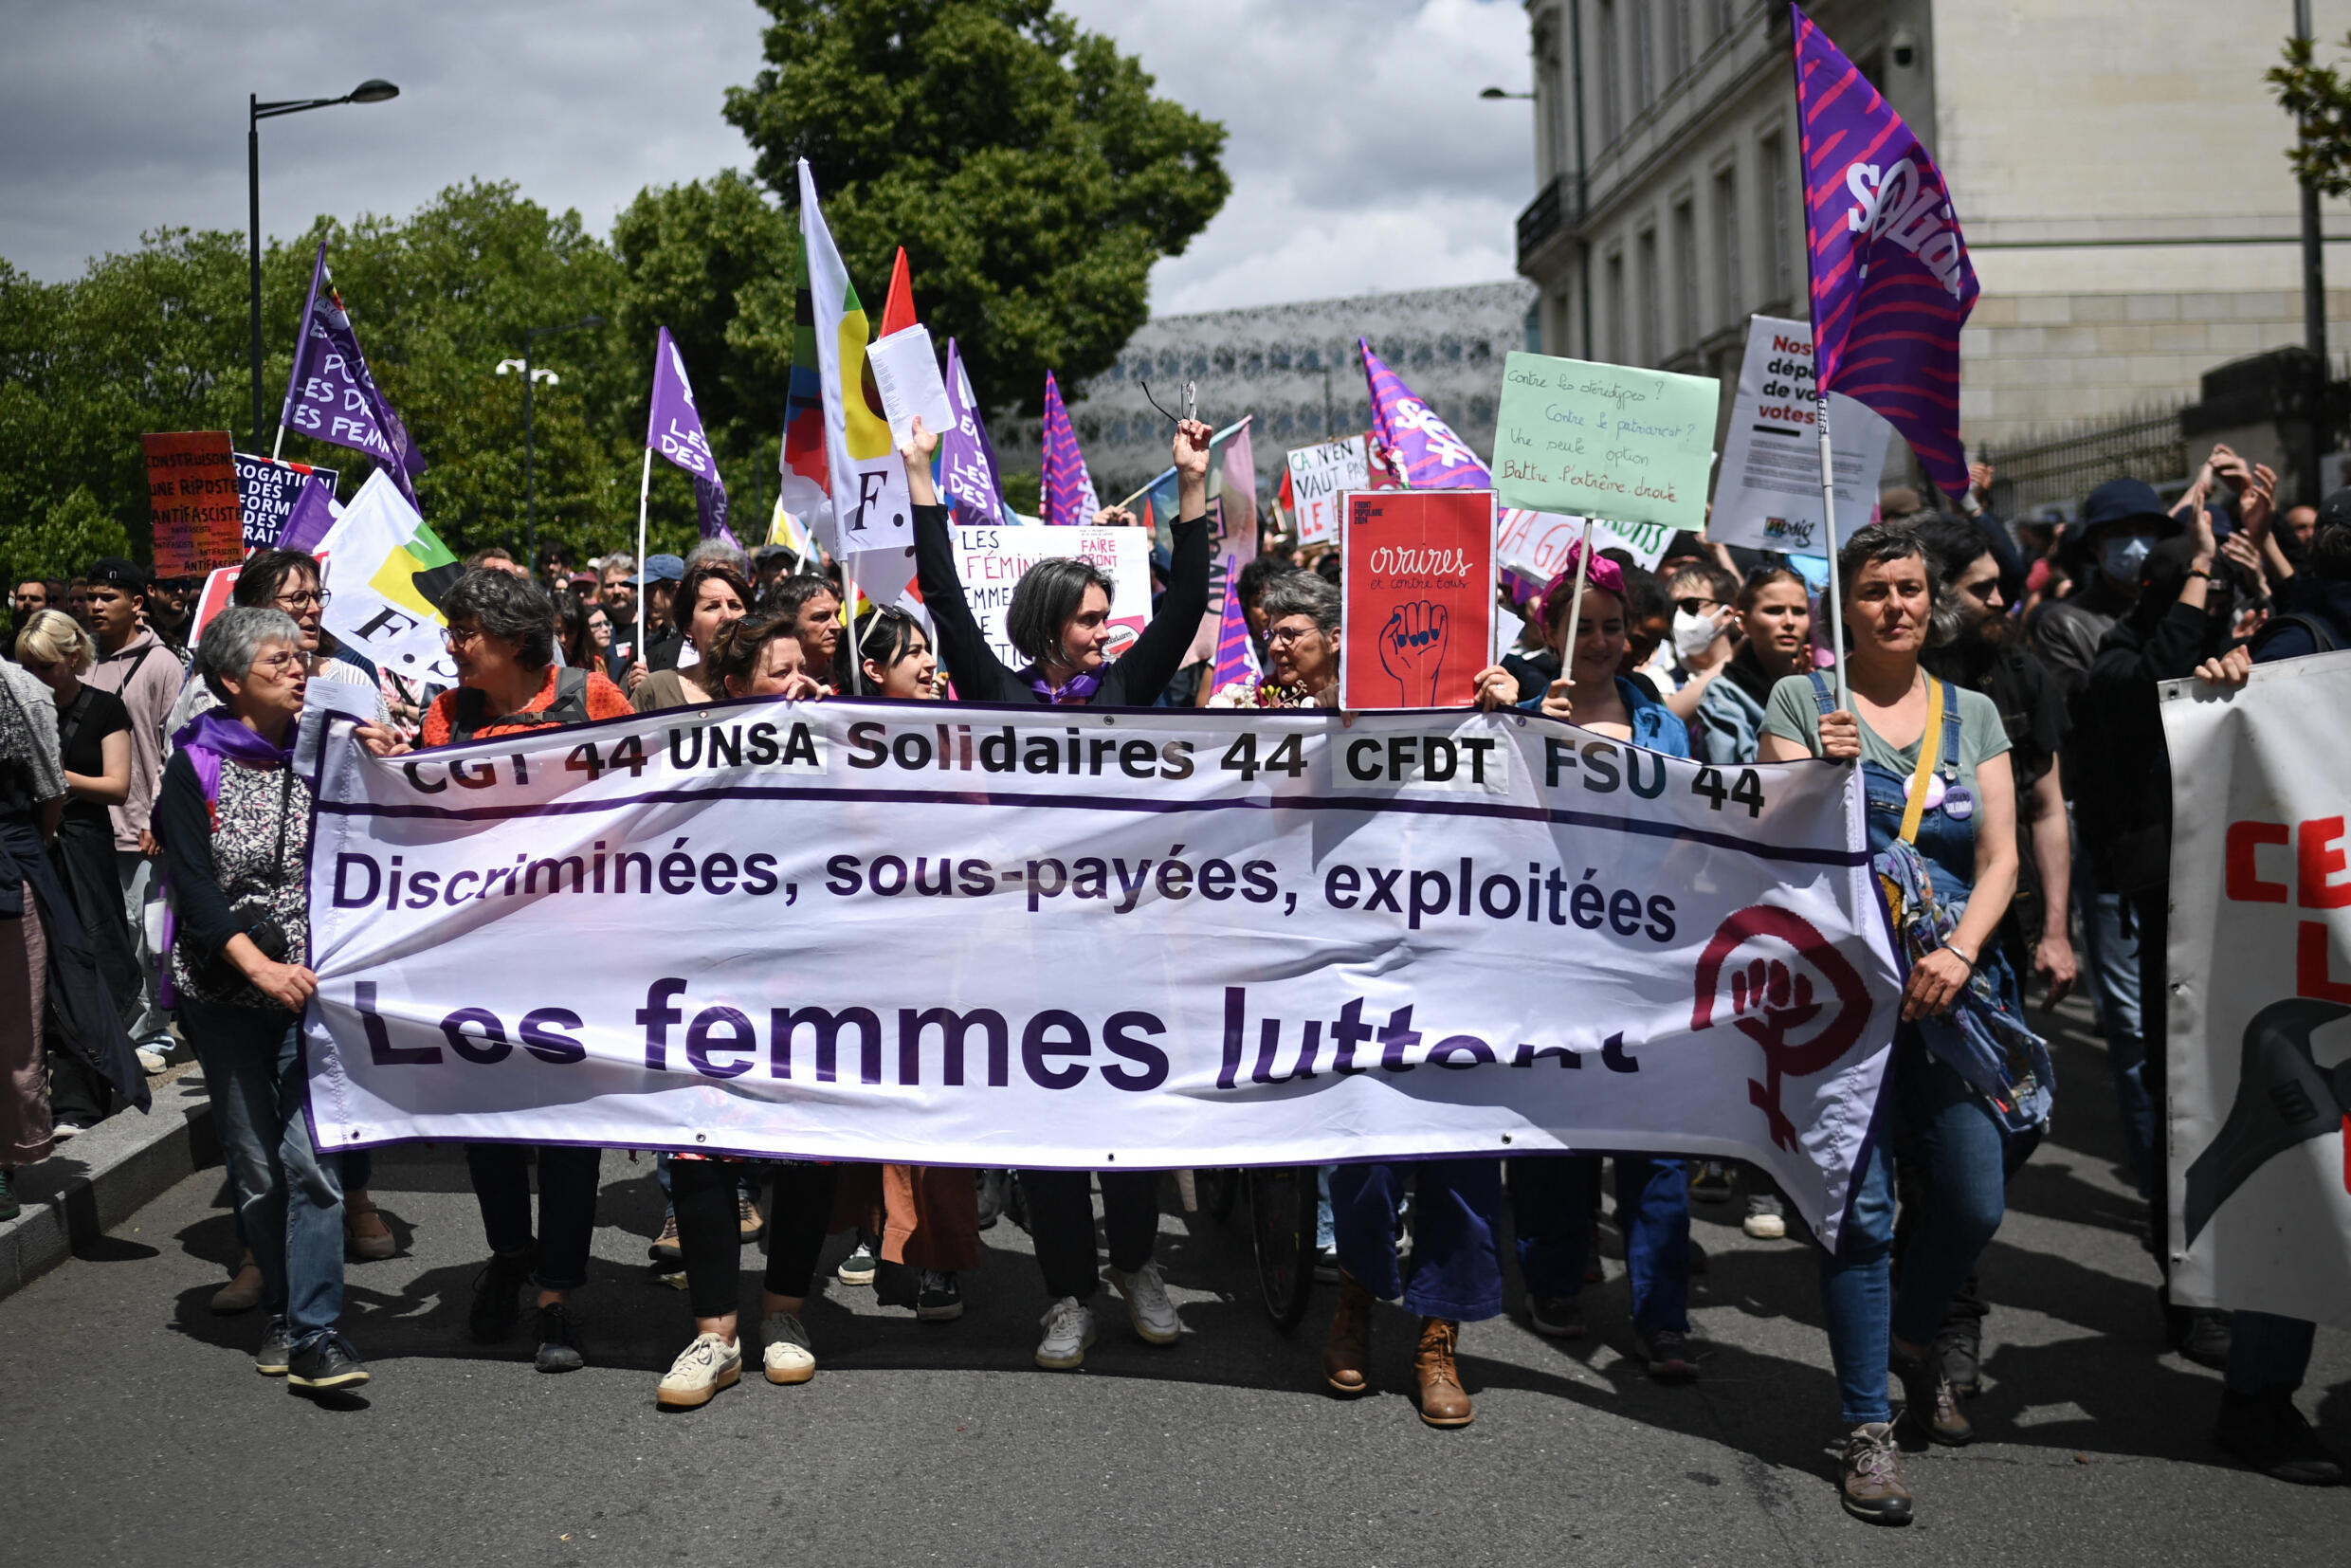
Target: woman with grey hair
[[234, 821], [1302, 612]]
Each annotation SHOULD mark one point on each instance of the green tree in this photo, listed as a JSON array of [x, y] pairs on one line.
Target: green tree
[[2319, 101], [1025, 165]]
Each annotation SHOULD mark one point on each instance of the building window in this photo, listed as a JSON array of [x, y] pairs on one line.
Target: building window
[[1611, 74], [1644, 54], [1651, 304], [1552, 97], [1686, 275], [1725, 17], [1778, 210], [1727, 244], [1681, 24], [1619, 319]]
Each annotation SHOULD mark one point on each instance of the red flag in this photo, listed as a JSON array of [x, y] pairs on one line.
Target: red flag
[[898, 311]]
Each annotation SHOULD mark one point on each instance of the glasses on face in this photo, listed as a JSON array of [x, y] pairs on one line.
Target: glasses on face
[[456, 637], [1285, 636], [304, 599], [1697, 605], [278, 663]]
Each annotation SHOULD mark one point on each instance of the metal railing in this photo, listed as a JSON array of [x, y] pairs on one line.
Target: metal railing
[[1556, 206], [2058, 470]]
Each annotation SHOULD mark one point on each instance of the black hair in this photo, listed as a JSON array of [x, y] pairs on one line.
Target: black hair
[[690, 589], [1259, 571], [1721, 583], [792, 594], [884, 636], [1952, 544], [572, 629], [1882, 542], [1049, 594], [264, 575], [508, 608], [1762, 578]]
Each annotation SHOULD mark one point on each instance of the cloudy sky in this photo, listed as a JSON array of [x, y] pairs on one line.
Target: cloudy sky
[[1361, 156]]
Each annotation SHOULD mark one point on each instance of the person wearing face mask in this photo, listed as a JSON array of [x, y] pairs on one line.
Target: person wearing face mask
[[1704, 617], [2122, 520], [2123, 804]]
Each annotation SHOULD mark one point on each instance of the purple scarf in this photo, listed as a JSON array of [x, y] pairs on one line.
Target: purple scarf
[[1080, 689], [208, 738]]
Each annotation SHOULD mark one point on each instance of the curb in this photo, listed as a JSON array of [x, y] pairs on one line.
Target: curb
[[101, 1178]]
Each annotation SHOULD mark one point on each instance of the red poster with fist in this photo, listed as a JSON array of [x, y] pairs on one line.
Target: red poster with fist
[[1419, 587]]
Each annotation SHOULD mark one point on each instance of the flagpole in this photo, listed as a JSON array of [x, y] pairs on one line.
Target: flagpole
[[848, 628], [1575, 611], [1827, 512], [645, 492]]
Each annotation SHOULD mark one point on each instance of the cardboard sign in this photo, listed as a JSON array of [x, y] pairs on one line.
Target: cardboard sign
[[267, 490], [1767, 496], [1536, 544], [192, 486], [1419, 587], [1605, 441], [990, 560], [214, 599], [1318, 476]]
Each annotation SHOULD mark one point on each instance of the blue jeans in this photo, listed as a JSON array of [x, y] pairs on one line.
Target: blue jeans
[[1456, 1222], [2110, 966], [289, 1197], [2267, 1351], [1965, 1159], [1551, 1213]]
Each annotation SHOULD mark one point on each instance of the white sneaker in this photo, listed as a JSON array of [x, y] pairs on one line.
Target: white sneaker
[[154, 1059], [1068, 1332], [1147, 1306], [787, 1356], [701, 1369], [1765, 1220]]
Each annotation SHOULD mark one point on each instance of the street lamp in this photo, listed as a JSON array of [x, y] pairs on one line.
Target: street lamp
[[374, 90], [1497, 92], [530, 378]]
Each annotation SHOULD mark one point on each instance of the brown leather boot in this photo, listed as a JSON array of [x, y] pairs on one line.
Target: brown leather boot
[[1347, 1354], [1443, 1402]]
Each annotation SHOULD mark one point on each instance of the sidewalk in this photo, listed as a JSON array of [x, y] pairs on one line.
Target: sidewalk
[[96, 1180]]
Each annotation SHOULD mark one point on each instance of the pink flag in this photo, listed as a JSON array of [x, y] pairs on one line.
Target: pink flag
[[1236, 653], [1891, 282], [1069, 488], [1434, 457]]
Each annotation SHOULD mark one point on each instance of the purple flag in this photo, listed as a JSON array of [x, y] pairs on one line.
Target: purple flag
[[1069, 488], [333, 397], [312, 516], [1236, 654], [675, 431], [1891, 284], [968, 470], [1434, 457]]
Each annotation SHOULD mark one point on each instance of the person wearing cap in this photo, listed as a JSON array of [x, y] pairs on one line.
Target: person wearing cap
[[2121, 521], [134, 664], [658, 584]]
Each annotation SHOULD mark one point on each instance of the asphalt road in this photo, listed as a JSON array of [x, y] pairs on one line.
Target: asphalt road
[[133, 1429]]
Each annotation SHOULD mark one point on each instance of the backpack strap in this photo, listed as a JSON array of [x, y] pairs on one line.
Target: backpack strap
[[569, 706], [571, 703], [467, 717]]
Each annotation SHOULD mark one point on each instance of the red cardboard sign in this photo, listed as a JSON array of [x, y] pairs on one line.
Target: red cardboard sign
[[1419, 585], [198, 508]]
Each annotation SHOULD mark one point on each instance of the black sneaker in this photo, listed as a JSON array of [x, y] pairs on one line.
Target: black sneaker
[[1555, 1317], [941, 1300], [1668, 1356], [326, 1365], [2270, 1435], [860, 1266], [495, 1290], [558, 1342], [1959, 1348], [995, 1196], [2199, 1333], [276, 1356]]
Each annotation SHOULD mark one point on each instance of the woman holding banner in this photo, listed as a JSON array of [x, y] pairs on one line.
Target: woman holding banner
[[1552, 1197], [1059, 618], [1969, 1084]]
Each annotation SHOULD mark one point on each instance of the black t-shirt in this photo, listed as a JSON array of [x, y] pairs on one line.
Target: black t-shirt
[[82, 726]]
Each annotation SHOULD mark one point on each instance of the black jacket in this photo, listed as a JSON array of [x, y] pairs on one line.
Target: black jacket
[[1132, 681], [2123, 789]]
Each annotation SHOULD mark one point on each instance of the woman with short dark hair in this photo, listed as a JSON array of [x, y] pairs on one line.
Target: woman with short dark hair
[[711, 595], [894, 658]]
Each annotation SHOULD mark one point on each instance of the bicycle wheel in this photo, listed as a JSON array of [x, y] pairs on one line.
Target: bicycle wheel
[[1282, 1204], [1218, 1190]]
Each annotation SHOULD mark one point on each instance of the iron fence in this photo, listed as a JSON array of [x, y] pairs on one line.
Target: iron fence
[[2056, 472]]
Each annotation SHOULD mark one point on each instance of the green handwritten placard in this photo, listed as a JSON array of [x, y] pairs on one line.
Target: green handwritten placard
[[1605, 441]]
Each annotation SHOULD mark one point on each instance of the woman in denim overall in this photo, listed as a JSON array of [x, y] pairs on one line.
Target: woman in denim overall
[[1963, 1102]]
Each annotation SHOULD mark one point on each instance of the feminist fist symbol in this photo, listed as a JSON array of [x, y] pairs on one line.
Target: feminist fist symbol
[[1411, 649], [1770, 1000]]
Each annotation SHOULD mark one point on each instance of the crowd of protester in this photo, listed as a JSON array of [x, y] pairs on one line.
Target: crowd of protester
[[2002, 706]]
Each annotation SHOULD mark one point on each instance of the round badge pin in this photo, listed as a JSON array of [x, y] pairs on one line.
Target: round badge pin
[[1957, 804]]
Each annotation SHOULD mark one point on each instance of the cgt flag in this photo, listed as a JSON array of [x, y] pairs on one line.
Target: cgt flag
[[1891, 284], [1434, 457], [333, 397], [675, 431], [1069, 500]]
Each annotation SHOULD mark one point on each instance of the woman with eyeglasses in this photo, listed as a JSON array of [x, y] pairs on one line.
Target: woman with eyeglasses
[[287, 580], [1302, 614]]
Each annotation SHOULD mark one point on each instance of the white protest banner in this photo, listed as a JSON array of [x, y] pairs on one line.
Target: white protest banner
[[1078, 939], [267, 487], [905, 373], [2259, 1026], [1767, 492], [992, 560], [1536, 544], [385, 575], [1318, 476]]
